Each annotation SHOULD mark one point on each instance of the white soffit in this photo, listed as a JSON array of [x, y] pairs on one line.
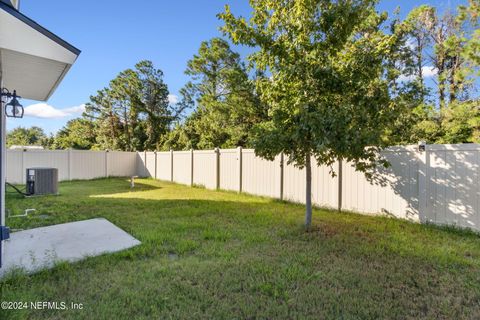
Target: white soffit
[[33, 61], [32, 77]]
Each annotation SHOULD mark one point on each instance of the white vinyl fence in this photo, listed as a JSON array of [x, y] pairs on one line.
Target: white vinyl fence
[[71, 164], [439, 185]]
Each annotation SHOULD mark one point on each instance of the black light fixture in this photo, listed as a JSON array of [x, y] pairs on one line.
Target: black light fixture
[[13, 109], [422, 146]]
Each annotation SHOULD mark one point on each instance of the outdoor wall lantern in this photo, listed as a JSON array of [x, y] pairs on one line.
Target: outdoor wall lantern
[[13, 109], [422, 145]]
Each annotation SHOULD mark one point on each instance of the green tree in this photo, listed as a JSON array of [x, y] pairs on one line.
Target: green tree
[[471, 52], [448, 43], [440, 41], [183, 136], [461, 123], [222, 96], [133, 113], [102, 111], [33, 136], [327, 95], [410, 94], [145, 95], [76, 134]]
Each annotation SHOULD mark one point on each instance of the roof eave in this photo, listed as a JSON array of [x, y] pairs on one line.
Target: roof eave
[[17, 14]]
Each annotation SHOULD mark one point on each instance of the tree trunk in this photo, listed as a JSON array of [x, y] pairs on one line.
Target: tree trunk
[[452, 80], [441, 85], [420, 66], [308, 192], [441, 69], [441, 93], [113, 130]]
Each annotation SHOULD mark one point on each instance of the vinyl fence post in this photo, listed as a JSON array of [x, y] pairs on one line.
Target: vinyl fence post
[[145, 168], [423, 166], [240, 168], [106, 163], [191, 167], [70, 164], [171, 165], [340, 184], [155, 164], [217, 168], [281, 175]]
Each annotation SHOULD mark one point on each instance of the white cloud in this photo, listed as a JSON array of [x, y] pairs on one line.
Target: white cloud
[[46, 111], [172, 99], [428, 72]]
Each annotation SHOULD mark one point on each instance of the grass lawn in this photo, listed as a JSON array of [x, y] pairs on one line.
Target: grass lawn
[[221, 255]]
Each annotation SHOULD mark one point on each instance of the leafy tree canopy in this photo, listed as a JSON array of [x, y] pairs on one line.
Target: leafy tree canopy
[[33, 136], [222, 97], [77, 134], [134, 112]]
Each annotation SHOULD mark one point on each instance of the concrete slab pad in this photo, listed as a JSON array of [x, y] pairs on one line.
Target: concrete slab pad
[[39, 248]]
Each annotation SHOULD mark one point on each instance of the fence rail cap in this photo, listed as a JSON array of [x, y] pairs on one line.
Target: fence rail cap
[[453, 147]]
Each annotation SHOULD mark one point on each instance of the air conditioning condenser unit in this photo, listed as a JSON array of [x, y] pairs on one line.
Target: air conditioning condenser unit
[[42, 181]]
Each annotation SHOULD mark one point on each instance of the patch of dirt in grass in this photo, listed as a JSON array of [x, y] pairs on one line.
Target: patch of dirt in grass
[[330, 230], [324, 230], [364, 235]]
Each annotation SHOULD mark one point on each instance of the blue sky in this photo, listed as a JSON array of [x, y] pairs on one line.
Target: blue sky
[[114, 35]]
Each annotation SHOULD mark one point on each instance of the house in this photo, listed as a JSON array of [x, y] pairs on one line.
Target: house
[[33, 62]]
